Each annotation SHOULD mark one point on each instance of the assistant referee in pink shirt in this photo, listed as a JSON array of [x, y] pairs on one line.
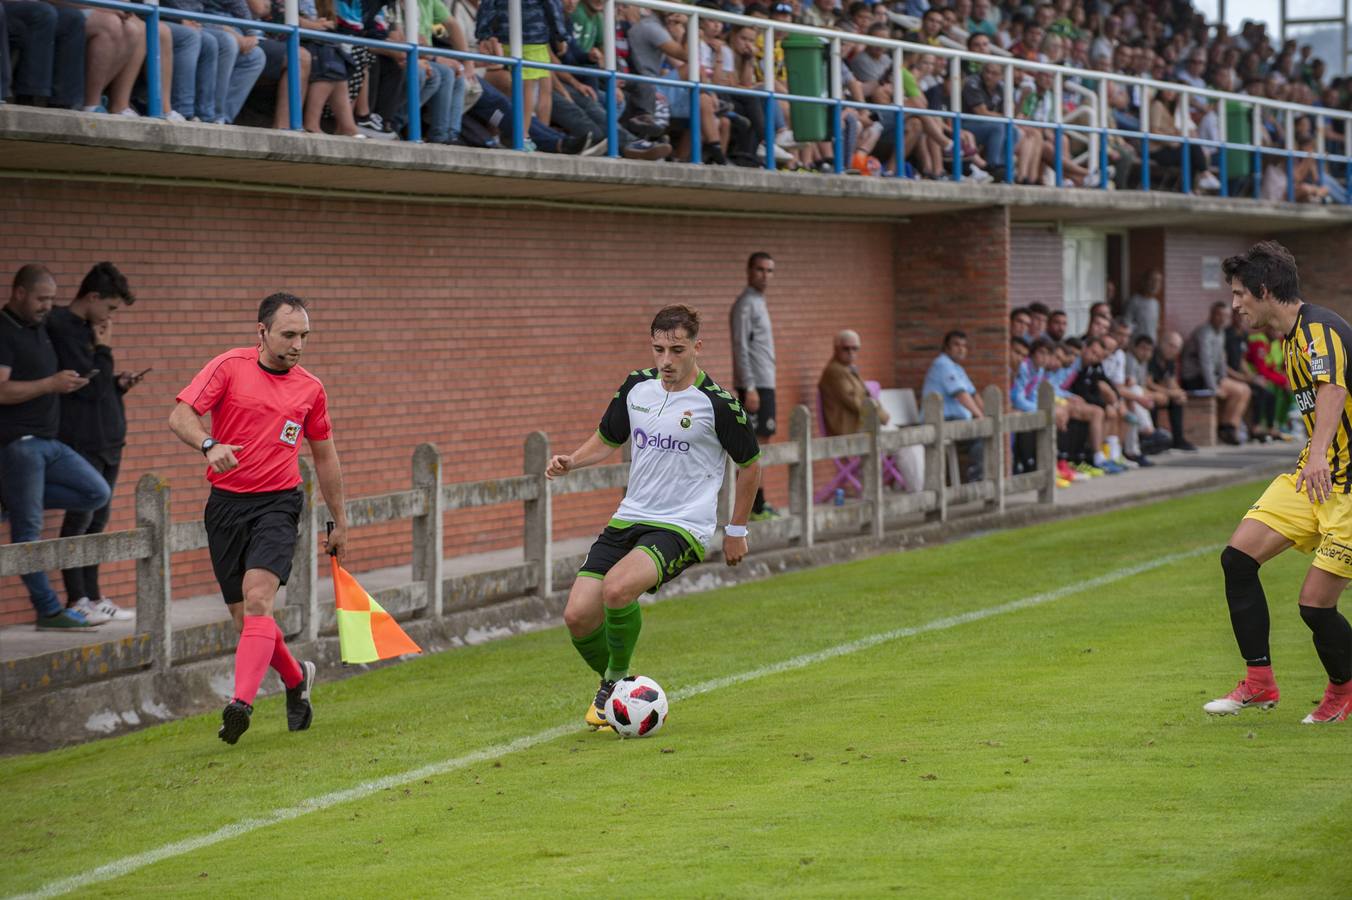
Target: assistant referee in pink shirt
[[261, 403]]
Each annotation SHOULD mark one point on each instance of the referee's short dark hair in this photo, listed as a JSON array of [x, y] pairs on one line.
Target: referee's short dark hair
[[669, 318], [954, 335], [267, 310], [104, 280], [757, 257], [30, 275], [1266, 264]]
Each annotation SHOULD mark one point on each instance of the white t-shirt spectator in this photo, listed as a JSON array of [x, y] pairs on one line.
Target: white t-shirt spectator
[[646, 38], [866, 68]]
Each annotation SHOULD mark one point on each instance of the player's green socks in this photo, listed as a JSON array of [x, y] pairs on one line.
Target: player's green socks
[[622, 628], [594, 649]]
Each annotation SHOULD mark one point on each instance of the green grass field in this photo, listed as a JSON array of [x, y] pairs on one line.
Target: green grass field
[[1057, 748]]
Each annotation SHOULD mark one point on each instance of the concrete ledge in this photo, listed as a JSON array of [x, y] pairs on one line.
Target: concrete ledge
[[72, 715], [42, 143]]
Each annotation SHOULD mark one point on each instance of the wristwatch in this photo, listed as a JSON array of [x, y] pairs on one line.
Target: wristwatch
[[207, 444]]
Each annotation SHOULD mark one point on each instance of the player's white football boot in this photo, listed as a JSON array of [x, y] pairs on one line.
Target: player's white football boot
[[1244, 696]]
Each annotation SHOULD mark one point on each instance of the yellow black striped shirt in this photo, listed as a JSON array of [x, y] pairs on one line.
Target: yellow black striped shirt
[[1316, 351]]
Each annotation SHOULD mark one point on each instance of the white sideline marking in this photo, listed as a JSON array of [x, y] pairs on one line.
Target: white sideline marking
[[129, 864]]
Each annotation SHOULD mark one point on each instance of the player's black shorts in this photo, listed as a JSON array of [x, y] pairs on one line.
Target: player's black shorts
[[669, 551], [763, 419], [251, 531]]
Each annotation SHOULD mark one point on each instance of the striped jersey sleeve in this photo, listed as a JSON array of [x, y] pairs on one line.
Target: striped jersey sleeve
[[1316, 353]]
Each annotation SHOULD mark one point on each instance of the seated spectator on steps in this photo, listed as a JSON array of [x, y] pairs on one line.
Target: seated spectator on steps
[[273, 70], [1057, 323], [1019, 321], [1266, 357], [46, 50], [1162, 382], [1093, 387], [1204, 373], [115, 47], [947, 378], [37, 471], [843, 394], [228, 66]]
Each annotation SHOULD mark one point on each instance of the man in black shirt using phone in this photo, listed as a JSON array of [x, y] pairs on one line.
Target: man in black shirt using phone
[[93, 420]]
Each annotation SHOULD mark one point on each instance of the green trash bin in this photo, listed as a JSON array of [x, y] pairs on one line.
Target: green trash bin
[[1238, 130], [805, 59]]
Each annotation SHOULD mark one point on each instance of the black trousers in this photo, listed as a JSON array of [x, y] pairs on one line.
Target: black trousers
[[48, 43], [84, 581]]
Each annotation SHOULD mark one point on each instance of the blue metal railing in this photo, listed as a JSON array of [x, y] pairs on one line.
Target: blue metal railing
[[293, 34]]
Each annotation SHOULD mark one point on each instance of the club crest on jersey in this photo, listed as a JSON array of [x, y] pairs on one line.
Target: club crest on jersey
[[290, 433], [685, 418]]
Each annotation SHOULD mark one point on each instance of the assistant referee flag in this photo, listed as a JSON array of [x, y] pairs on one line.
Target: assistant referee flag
[[366, 632]]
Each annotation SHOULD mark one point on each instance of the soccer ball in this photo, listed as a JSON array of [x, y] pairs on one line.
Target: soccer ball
[[637, 707]]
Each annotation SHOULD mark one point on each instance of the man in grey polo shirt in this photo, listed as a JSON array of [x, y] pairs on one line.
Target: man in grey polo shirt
[[753, 357]]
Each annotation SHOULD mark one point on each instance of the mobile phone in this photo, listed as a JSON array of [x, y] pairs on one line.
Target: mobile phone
[[142, 374], [90, 374]]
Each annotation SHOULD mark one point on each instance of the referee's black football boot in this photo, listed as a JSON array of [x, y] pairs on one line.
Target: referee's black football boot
[[234, 721], [299, 712], [596, 710]]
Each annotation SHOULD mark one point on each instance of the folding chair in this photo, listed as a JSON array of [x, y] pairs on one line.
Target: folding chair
[[891, 474], [847, 468]]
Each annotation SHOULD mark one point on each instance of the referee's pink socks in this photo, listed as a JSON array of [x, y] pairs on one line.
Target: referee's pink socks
[[283, 661], [257, 644]]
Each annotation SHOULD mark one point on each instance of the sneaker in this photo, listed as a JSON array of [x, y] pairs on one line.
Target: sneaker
[[299, 712], [129, 113], [646, 149], [645, 127], [1335, 707], [234, 720], [113, 611], [596, 710], [595, 149], [1111, 468], [91, 612], [1185, 446], [174, 115], [66, 620], [528, 146], [767, 512], [1062, 482], [1208, 182], [1090, 471], [1244, 696], [1140, 459]]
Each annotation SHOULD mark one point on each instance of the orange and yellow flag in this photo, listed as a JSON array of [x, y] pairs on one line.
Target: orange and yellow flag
[[366, 632]]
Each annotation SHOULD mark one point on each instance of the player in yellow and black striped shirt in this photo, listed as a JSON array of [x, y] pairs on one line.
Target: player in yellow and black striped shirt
[[1311, 508]]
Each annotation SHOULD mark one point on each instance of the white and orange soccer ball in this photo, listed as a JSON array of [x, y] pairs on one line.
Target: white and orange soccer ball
[[637, 707]]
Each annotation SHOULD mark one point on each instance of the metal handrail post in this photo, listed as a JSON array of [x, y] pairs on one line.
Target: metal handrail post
[[1347, 152], [523, 115], [1256, 136], [413, 71], [1058, 132], [1290, 121], [1222, 160], [768, 75], [955, 102], [899, 122], [293, 89], [1145, 138], [1105, 122], [693, 73], [612, 83], [1008, 125], [154, 87], [837, 123]]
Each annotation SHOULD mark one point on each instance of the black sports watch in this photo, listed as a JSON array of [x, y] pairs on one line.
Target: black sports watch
[[207, 444]]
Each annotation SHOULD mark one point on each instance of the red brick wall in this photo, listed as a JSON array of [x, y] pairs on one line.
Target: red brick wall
[[1322, 257], [1035, 263], [953, 271], [464, 326], [1187, 303]]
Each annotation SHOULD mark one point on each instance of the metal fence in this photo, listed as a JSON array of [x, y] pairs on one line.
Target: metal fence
[[1096, 132], [155, 540]]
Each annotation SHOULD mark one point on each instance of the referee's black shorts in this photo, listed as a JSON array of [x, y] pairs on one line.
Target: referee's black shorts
[[251, 531]]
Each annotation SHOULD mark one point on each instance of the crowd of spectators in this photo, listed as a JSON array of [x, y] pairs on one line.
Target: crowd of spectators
[[92, 59], [1121, 388]]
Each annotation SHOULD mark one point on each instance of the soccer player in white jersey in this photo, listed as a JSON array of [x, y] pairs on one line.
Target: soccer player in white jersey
[[680, 424]]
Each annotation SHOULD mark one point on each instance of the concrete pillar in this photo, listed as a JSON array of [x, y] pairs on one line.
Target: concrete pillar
[[932, 413], [997, 446], [152, 571], [428, 529], [1046, 442], [302, 588], [539, 514], [800, 473], [873, 471]]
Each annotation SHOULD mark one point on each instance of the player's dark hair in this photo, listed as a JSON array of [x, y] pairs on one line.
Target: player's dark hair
[[1266, 264], [104, 280], [1057, 312], [1143, 339], [1039, 309], [672, 317], [1093, 342], [267, 310], [757, 257], [1074, 343], [1041, 343], [953, 336], [1017, 311], [29, 275]]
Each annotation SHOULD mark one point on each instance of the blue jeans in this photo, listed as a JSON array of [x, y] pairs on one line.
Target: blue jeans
[[204, 84], [235, 74], [990, 137], [187, 49], [443, 102], [41, 473]]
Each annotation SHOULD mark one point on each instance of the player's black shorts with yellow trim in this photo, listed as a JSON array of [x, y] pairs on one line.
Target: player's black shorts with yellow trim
[[669, 550], [251, 531]]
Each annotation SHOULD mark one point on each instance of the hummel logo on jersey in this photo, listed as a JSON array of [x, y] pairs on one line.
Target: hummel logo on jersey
[[635, 406], [290, 433]]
